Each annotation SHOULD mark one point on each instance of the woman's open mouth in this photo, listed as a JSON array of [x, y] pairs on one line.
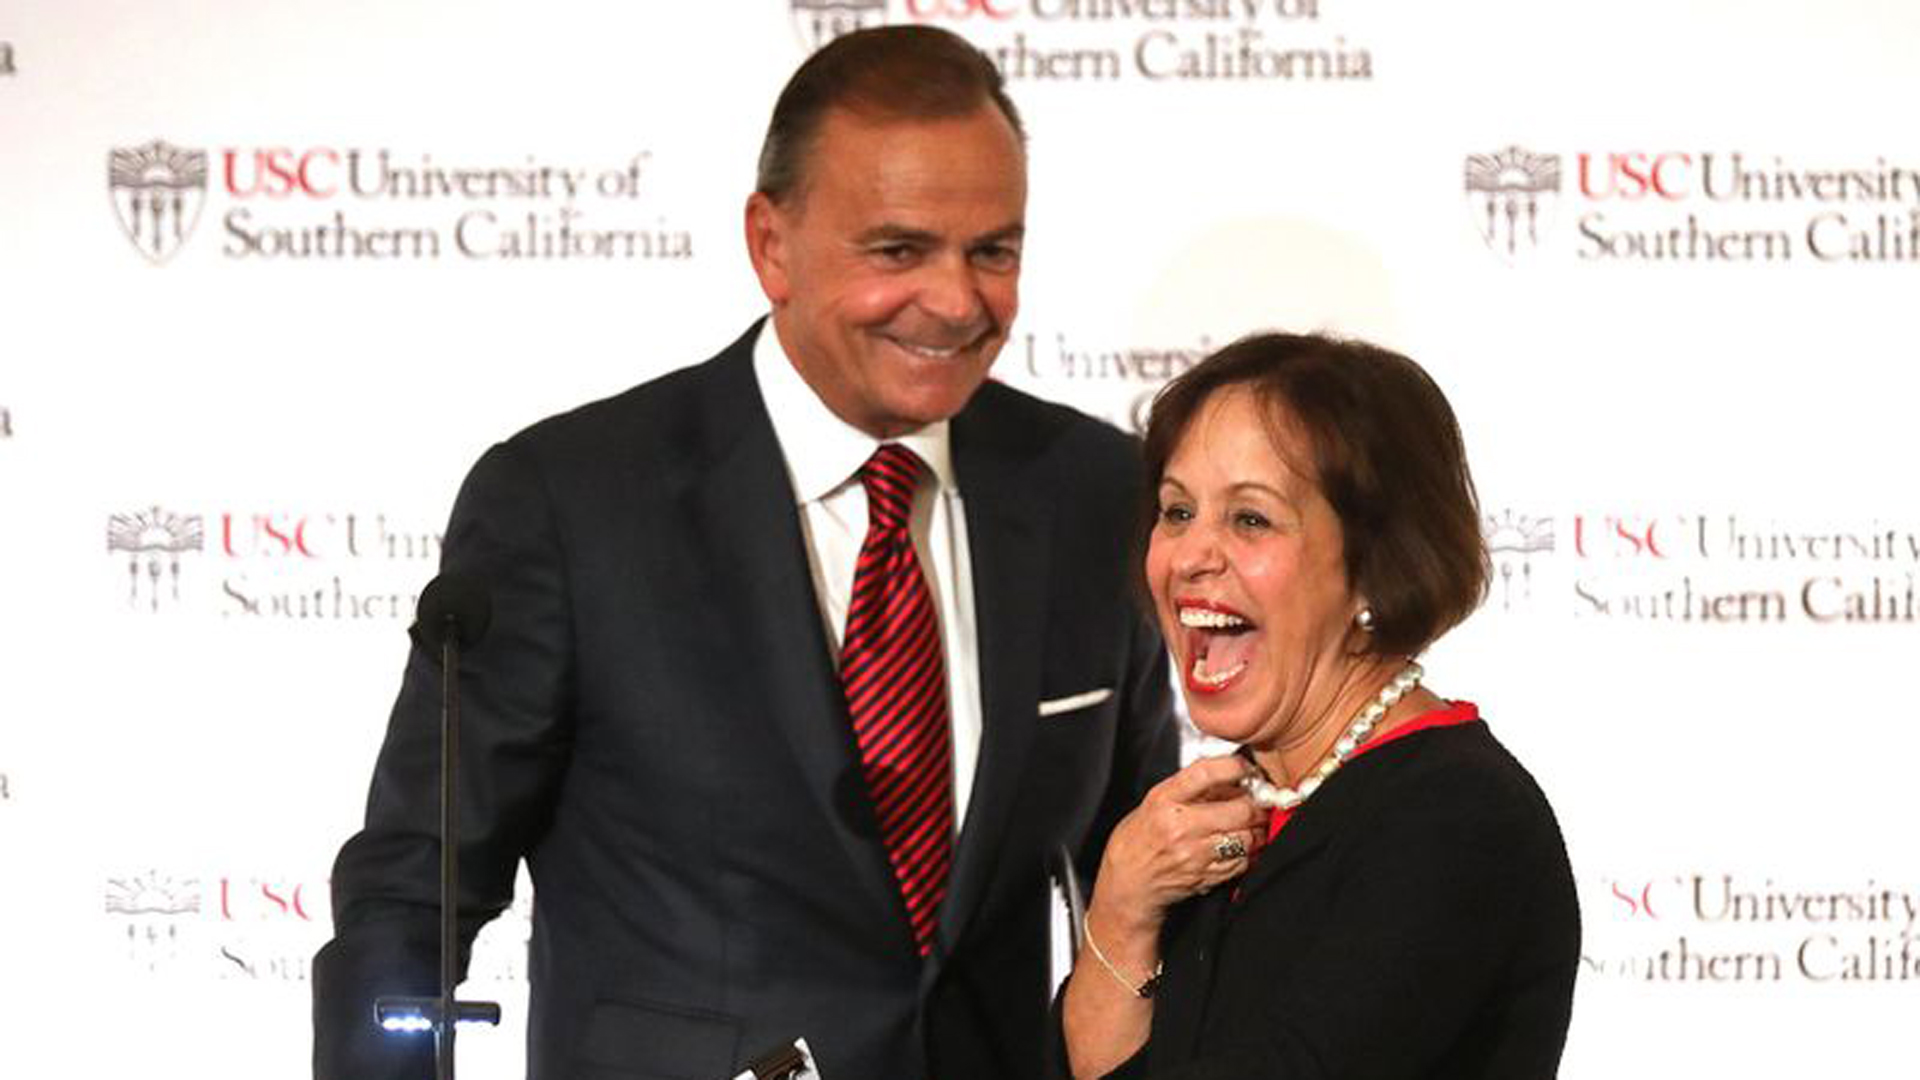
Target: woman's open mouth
[[1219, 642]]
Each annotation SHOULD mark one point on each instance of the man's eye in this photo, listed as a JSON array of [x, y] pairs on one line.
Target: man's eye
[[895, 253], [997, 257]]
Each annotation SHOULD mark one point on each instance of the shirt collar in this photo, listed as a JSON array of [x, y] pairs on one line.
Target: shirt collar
[[824, 452]]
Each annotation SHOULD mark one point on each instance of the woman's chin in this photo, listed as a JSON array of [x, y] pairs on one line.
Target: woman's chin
[[1216, 720]]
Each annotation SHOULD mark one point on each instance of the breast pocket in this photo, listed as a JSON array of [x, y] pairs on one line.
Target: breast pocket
[[628, 1040], [1072, 754], [1072, 703]]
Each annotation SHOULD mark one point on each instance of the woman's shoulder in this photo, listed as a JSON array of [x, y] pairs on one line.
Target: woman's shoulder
[[1456, 818], [1453, 778]]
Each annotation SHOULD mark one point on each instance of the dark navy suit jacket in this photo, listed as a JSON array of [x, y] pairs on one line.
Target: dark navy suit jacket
[[653, 722]]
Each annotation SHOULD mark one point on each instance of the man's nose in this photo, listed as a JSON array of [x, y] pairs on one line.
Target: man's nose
[[951, 291]]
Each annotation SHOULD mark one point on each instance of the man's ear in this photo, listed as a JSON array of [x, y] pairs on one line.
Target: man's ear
[[767, 227]]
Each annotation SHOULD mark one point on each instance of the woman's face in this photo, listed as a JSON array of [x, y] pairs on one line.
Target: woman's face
[[1246, 571]]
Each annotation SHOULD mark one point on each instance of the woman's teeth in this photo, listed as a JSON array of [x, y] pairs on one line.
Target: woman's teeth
[[1205, 619], [1216, 679]]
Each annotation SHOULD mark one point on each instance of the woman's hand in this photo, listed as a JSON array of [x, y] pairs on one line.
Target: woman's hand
[[1194, 830]]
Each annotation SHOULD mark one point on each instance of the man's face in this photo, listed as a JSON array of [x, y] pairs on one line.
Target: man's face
[[894, 271]]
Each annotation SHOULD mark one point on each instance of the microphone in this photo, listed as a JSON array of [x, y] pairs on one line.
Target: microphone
[[455, 604]]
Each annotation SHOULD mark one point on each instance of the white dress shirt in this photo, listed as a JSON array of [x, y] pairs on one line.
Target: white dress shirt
[[823, 455]]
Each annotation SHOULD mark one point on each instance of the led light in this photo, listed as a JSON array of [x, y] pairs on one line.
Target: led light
[[414, 1015]]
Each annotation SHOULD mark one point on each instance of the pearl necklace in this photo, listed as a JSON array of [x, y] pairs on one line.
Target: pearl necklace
[[1271, 795]]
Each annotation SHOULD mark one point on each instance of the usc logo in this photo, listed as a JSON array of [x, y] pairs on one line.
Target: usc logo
[[1635, 899], [1635, 176], [280, 172], [929, 10], [1620, 537]]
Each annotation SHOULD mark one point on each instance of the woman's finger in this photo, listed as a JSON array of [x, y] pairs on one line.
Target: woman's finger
[[1205, 779], [1230, 847], [1225, 815]]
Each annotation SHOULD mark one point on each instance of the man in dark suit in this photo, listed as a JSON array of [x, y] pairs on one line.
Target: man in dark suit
[[738, 833]]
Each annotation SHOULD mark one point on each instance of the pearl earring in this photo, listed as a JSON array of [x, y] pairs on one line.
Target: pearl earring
[[1364, 620]]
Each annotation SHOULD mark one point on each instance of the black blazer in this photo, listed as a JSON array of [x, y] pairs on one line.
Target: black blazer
[[1415, 919], [654, 723]]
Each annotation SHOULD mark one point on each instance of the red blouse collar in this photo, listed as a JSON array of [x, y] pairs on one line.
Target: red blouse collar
[[1452, 714]]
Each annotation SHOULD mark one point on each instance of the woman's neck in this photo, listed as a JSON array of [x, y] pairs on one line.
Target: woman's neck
[[1301, 747]]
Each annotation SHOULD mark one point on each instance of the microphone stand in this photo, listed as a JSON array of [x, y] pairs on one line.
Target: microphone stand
[[443, 1014], [1068, 882], [448, 1018]]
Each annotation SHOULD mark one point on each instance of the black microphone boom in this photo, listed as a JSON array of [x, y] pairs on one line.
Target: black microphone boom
[[454, 611]]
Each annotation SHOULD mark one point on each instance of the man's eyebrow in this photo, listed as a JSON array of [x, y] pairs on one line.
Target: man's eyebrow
[[1015, 231], [888, 232], [896, 233]]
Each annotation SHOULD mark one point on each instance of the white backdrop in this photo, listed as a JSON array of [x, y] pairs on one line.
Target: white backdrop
[[232, 422]]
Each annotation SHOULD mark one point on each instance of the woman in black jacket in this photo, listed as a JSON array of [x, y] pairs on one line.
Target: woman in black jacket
[[1372, 887]]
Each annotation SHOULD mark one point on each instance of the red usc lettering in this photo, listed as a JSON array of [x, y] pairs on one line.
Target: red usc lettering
[[1618, 536], [266, 899], [280, 173], [269, 534], [1635, 176], [929, 10]]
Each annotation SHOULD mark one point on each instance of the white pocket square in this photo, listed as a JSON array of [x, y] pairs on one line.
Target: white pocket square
[[1075, 701]]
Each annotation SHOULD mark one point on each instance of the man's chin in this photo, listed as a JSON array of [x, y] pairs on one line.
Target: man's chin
[[931, 404]]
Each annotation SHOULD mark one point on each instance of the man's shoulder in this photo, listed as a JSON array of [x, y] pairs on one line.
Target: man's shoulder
[[1038, 427], [668, 409]]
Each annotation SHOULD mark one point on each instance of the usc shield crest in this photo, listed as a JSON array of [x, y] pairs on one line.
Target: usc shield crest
[[1511, 194], [158, 190], [820, 21]]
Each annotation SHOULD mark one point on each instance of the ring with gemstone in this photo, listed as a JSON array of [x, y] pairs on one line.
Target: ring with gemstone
[[1228, 848]]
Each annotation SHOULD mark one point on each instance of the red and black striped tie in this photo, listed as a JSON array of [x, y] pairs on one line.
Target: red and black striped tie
[[896, 686]]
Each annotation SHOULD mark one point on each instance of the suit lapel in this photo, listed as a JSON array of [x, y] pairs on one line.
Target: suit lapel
[[743, 502], [1009, 520], [744, 506]]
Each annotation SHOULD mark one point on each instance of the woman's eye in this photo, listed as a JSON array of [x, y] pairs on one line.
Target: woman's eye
[[1248, 519], [1175, 515]]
